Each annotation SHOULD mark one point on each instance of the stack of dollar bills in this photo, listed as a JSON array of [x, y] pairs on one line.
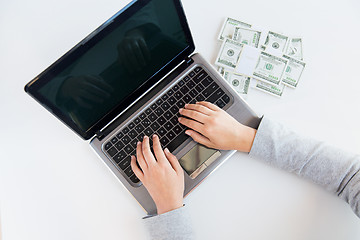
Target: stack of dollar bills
[[265, 60]]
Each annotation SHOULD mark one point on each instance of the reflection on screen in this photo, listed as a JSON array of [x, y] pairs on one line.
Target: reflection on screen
[[118, 64]]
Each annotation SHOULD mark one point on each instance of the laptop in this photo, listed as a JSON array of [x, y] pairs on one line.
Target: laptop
[[128, 79]]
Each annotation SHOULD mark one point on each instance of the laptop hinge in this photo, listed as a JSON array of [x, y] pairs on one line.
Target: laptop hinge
[[189, 60], [100, 135]]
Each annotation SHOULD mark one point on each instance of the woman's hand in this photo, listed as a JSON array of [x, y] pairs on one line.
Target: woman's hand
[[214, 128], [162, 176]]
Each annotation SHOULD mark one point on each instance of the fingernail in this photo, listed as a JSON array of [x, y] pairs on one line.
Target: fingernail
[[186, 105], [166, 150], [154, 136], [188, 133], [138, 143], [145, 137], [180, 110], [179, 119]]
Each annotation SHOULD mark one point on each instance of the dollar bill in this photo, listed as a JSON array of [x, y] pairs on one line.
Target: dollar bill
[[270, 89], [270, 68], [293, 71], [221, 70], [239, 82], [229, 54], [228, 28], [295, 48], [247, 36], [276, 41]]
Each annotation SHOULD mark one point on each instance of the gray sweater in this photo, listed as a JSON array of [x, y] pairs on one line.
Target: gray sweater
[[335, 170]]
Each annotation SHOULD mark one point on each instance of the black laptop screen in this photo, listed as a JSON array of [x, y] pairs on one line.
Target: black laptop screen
[[116, 62]]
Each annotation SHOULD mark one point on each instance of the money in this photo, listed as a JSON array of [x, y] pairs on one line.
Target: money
[[228, 28], [293, 71], [221, 70], [239, 82], [229, 54], [295, 49], [276, 41], [270, 68], [270, 89], [247, 36]]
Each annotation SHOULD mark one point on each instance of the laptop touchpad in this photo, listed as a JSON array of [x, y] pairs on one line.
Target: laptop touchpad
[[197, 159]]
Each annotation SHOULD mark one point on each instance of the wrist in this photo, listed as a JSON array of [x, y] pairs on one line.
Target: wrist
[[167, 208], [246, 138]]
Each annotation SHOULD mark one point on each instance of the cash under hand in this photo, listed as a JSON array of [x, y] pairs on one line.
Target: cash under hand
[[270, 66]]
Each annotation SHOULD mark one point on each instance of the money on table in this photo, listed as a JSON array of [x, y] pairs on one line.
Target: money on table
[[239, 82], [228, 28], [276, 41], [229, 54], [295, 48], [269, 62], [247, 36], [276, 91], [293, 71], [270, 68]]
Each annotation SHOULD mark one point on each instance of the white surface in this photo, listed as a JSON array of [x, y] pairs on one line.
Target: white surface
[[52, 186]]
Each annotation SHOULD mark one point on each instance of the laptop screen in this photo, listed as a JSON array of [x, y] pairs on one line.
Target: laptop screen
[[110, 68]]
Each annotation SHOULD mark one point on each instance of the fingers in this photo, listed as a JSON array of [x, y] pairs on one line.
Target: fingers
[[159, 154], [139, 174], [140, 157], [209, 105], [197, 137], [192, 124], [198, 116], [199, 108], [149, 157], [173, 161]]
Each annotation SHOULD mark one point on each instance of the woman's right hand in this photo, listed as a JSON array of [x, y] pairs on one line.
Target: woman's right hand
[[213, 127]]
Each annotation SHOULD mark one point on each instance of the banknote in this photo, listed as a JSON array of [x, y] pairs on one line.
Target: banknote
[[247, 36], [228, 28], [295, 48], [276, 41], [221, 70], [239, 82], [270, 68], [293, 71], [229, 54], [270, 89]]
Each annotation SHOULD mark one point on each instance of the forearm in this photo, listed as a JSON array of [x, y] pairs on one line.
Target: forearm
[[332, 168], [175, 224]]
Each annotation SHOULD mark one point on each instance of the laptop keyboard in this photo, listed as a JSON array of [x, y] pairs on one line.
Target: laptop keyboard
[[161, 118]]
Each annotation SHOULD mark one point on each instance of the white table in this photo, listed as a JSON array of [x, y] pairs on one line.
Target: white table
[[52, 186]]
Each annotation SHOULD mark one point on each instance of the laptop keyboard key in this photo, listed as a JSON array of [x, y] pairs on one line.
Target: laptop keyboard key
[[134, 179], [139, 128], [129, 171], [131, 125], [155, 126], [159, 111], [174, 109], [226, 98], [112, 151], [220, 103], [168, 115], [170, 135], [119, 157], [132, 134], [125, 163], [125, 139], [165, 106], [200, 98], [164, 141], [182, 137], [161, 120], [178, 95], [148, 132], [108, 145], [180, 104], [177, 129], [125, 130], [119, 145], [161, 132], [168, 126], [128, 149], [146, 122], [172, 100]]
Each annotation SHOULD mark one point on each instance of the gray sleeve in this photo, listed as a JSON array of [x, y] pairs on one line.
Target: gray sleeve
[[175, 225], [335, 170]]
